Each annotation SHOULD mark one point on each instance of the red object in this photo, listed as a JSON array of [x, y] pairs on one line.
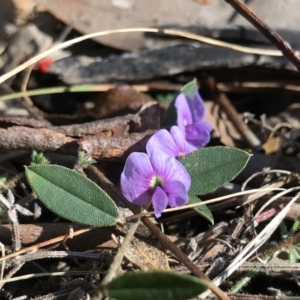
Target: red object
[[43, 65]]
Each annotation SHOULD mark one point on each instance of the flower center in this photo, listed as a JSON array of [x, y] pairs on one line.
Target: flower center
[[156, 181], [181, 154]]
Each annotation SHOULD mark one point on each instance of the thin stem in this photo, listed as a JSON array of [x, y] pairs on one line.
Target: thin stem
[[248, 135], [159, 235], [81, 88], [269, 33], [121, 253]]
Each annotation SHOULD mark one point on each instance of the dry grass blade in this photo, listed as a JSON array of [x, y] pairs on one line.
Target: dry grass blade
[[257, 242], [177, 33], [267, 190], [278, 183]]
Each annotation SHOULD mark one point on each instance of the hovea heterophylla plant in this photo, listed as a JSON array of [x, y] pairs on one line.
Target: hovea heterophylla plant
[[167, 183], [174, 170], [174, 167]]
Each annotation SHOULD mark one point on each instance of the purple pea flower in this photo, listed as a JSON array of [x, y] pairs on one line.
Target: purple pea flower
[[172, 143], [155, 177], [190, 114]]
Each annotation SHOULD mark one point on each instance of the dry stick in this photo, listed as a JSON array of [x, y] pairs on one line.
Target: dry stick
[[269, 33], [233, 115], [257, 87], [165, 241]]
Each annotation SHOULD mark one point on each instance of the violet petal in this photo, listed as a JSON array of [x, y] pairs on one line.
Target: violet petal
[[162, 140], [199, 108], [177, 193], [169, 169], [184, 112], [183, 147], [159, 200], [136, 177], [198, 134]]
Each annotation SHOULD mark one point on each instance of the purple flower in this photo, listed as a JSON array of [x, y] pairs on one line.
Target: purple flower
[[190, 114], [172, 143], [155, 177]]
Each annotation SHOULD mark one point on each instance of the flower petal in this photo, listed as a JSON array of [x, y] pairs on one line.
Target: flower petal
[[160, 201], [177, 193], [198, 134], [162, 140], [199, 108], [136, 177], [183, 147], [184, 115], [169, 169]]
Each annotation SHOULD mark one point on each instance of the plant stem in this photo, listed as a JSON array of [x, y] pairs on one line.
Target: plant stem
[[269, 33], [120, 255]]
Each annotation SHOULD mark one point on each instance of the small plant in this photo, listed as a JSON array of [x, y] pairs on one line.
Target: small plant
[[174, 170], [39, 158], [158, 177]]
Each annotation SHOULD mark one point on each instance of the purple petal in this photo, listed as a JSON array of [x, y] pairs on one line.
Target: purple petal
[[162, 140], [177, 193], [160, 201], [198, 134], [199, 108], [136, 177], [169, 169], [184, 115], [182, 146]]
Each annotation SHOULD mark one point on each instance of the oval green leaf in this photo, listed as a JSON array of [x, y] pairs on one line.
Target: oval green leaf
[[202, 210], [156, 285], [212, 167], [72, 195]]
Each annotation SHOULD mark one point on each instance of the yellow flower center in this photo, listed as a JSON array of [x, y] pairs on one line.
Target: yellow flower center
[[156, 181]]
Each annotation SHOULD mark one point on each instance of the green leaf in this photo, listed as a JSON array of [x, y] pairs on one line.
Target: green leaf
[[202, 210], [156, 285], [212, 167], [166, 98], [39, 158], [72, 195], [85, 160], [293, 254], [190, 89]]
